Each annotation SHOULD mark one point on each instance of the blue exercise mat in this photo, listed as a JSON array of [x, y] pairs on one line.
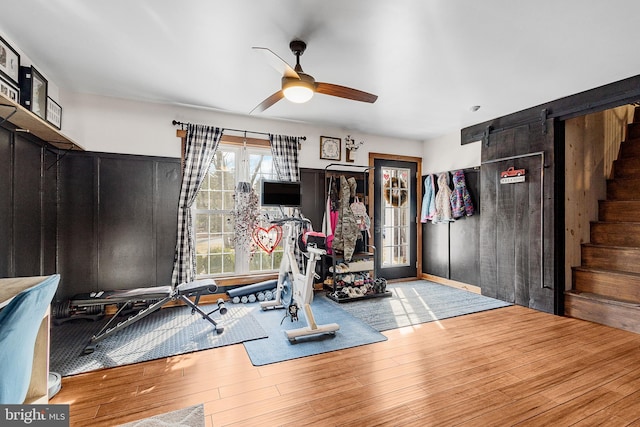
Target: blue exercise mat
[[165, 333], [276, 348], [416, 302]]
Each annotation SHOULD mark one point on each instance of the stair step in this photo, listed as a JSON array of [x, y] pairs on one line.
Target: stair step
[[617, 258], [623, 189], [608, 283], [616, 233], [629, 148], [606, 287], [633, 130], [619, 210], [606, 299], [602, 310], [628, 167]]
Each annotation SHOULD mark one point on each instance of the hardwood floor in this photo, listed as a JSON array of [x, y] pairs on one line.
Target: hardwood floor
[[509, 366]]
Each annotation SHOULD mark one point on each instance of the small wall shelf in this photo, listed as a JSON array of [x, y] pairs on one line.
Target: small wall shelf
[[26, 120]]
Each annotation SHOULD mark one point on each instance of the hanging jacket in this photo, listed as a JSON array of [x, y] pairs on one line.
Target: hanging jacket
[[429, 199], [347, 231], [461, 204], [443, 201]]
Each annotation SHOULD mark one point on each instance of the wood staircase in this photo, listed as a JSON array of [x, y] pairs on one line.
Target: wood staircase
[[606, 287]]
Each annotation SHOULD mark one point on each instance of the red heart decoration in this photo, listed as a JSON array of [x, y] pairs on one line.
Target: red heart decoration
[[268, 239]]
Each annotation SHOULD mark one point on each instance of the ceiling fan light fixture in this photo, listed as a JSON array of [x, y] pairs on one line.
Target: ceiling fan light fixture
[[298, 91], [299, 87]]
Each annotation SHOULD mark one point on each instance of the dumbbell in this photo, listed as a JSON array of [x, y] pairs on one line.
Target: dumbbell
[[221, 306]]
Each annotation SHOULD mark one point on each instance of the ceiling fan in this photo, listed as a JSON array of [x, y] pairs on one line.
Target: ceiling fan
[[299, 87]]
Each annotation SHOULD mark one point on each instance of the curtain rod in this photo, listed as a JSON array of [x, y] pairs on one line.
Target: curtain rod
[[175, 123]]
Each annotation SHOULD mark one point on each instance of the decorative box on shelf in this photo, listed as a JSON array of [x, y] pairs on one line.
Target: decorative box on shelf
[[33, 88]]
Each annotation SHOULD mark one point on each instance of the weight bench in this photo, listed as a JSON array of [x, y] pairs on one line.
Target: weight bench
[[163, 294]]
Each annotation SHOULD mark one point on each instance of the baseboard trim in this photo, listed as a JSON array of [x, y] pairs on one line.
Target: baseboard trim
[[452, 283]]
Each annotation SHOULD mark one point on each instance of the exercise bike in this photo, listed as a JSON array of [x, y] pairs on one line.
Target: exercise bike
[[295, 290]]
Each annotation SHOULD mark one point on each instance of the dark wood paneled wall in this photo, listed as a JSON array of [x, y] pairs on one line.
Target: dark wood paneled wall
[[50, 218], [76, 224], [103, 221], [314, 201], [435, 250], [168, 177], [6, 204], [452, 250], [464, 237], [117, 227], [27, 206], [28, 215]]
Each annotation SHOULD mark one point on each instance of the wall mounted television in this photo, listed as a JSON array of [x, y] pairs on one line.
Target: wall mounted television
[[281, 193]]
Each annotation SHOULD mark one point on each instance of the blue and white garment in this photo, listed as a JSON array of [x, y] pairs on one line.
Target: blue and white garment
[[429, 199]]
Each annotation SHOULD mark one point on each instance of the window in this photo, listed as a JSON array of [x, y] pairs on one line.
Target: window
[[395, 217], [212, 212]]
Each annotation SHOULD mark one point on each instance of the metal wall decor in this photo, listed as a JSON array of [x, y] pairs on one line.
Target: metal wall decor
[[512, 175], [351, 146]]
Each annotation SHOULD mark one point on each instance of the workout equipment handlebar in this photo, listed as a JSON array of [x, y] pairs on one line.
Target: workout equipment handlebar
[[281, 221]]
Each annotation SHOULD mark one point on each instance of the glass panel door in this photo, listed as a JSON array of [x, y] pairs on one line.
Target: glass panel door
[[394, 193], [395, 218]]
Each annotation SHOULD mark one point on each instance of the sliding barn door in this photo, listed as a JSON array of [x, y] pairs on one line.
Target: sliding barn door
[[517, 216]]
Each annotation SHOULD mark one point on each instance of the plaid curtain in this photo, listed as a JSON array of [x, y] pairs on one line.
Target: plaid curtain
[[284, 150], [202, 143], [285, 156]]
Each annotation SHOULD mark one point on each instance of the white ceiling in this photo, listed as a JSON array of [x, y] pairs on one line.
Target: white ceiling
[[429, 61]]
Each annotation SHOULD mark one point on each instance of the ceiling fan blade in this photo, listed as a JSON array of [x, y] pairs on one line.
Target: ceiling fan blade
[[268, 102], [278, 63], [345, 92]]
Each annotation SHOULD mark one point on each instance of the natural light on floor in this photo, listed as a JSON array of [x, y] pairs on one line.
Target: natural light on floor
[[400, 309]]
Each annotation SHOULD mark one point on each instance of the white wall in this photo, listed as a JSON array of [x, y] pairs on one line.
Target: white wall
[[104, 124], [445, 154], [114, 125]]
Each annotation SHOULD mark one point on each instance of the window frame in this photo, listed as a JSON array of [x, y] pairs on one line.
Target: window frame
[[242, 260]]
